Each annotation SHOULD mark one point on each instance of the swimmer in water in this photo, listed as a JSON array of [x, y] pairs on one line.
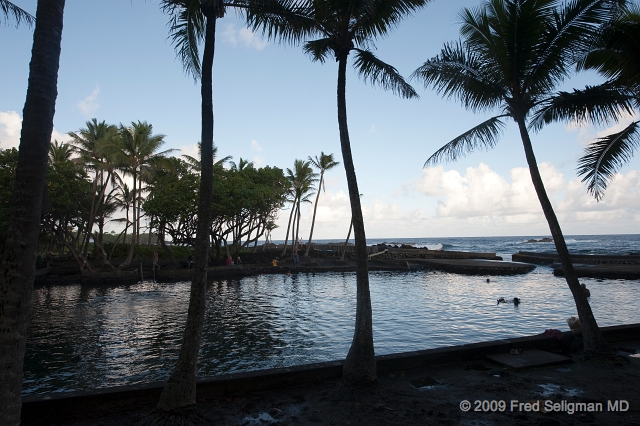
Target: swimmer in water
[[516, 301], [501, 300]]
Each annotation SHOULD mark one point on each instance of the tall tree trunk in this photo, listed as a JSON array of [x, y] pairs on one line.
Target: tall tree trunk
[[17, 267], [132, 247], [139, 192], [180, 389], [315, 209], [297, 225], [594, 341], [360, 364], [286, 239], [346, 242]]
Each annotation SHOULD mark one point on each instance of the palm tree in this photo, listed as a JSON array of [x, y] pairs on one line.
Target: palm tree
[[60, 152], [324, 163], [193, 21], [513, 54], [18, 257], [92, 144], [9, 9], [135, 151], [301, 179], [345, 26]]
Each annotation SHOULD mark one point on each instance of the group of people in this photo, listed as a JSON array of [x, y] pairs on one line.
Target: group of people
[[231, 262]]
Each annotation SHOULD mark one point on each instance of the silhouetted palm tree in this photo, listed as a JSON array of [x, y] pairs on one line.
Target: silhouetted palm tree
[[323, 163], [135, 151], [192, 22], [20, 246], [301, 179], [346, 26], [512, 56], [92, 145]]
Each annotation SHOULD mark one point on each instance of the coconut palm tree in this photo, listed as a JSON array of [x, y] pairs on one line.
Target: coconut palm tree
[[301, 179], [92, 145], [343, 27], [512, 55], [60, 152], [615, 53], [10, 10], [20, 246], [135, 151], [192, 22], [323, 163]]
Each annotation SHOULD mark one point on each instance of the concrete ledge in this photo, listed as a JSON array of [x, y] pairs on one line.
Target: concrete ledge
[[39, 409]]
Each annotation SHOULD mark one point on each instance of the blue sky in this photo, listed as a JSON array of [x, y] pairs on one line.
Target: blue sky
[[273, 105]]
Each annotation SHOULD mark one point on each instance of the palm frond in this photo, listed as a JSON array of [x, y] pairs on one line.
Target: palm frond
[[186, 30], [287, 20], [319, 50], [458, 72], [377, 72], [9, 9], [567, 35], [484, 135], [604, 103], [374, 18], [605, 156]]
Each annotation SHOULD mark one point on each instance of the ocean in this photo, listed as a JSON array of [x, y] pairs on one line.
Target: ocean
[[506, 246]]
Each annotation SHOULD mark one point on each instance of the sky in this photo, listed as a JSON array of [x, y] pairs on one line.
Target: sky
[[273, 105]]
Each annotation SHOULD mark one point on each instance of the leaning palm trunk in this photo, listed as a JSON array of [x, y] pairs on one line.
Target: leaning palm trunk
[[360, 364], [286, 239], [180, 389], [17, 267], [346, 242], [594, 341], [313, 220], [132, 247]]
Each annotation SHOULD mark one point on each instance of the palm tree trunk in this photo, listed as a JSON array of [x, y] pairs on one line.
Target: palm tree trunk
[[286, 239], [19, 257], [132, 247], [297, 225], [594, 341], [360, 364], [180, 389], [313, 220], [139, 193], [346, 242]]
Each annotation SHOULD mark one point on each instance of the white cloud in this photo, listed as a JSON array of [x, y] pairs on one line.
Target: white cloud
[[482, 192], [10, 125], [190, 150], [243, 36], [257, 161], [89, 105], [255, 146], [372, 129]]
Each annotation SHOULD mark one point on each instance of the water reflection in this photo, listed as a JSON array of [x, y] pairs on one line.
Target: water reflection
[[84, 337]]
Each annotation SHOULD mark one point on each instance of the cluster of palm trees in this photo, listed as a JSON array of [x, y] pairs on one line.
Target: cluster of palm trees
[[107, 153], [302, 179], [512, 56]]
